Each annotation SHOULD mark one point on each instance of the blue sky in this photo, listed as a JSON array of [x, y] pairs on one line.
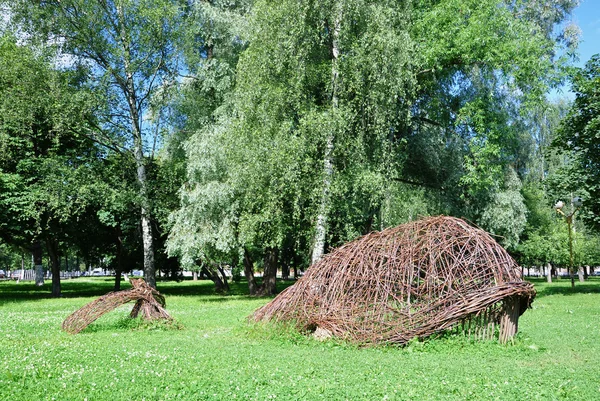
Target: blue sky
[[587, 16]]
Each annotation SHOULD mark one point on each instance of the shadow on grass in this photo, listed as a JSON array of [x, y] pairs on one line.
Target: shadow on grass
[[567, 290], [28, 291], [11, 291], [95, 287], [563, 287]]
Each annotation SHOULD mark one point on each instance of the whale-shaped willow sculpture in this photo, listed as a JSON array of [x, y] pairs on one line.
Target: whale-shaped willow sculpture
[[409, 281]]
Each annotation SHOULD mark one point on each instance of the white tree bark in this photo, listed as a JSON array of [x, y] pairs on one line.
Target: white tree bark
[[147, 237], [129, 90], [321, 226]]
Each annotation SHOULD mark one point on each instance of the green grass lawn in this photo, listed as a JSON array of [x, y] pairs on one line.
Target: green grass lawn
[[217, 355]]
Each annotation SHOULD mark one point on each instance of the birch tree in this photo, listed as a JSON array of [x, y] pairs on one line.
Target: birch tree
[[129, 49], [341, 105], [202, 232], [338, 80], [317, 89]]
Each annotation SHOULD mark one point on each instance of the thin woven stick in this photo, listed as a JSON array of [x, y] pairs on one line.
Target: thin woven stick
[[148, 301], [410, 281]]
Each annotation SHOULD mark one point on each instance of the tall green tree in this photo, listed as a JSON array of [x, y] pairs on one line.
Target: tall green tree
[[485, 66], [46, 159], [318, 89], [579, 138], [215, 35], [340, 106], [130, 48]]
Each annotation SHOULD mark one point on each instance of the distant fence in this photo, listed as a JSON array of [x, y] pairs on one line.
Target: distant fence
[[29, 275], [67, 274], [22, 275]]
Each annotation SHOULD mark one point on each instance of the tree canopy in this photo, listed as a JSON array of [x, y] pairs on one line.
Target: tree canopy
[[580, 138], [213, 135]]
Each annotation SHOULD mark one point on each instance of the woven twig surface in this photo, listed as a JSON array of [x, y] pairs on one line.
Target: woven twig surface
[[409, 281], [148, 301]]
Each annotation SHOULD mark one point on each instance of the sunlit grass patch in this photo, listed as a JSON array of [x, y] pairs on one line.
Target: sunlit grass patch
[[217, 354]]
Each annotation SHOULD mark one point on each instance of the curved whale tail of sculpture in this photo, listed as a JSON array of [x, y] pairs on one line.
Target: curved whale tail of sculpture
[[409, 281], [149, 302]]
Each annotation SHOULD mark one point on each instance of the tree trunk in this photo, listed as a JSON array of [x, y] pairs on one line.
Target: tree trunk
[[119, 267], [321, 226], [129, 92], [213, 275], [269, 285], [52, 246], [287, 259], [195, 275], [147, 237], [38, 265], [249, 273], [223, 278], [549, 272], [285, 271], [580, 274]]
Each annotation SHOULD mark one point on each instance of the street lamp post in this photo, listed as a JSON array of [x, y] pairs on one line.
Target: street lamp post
[[576, 202]]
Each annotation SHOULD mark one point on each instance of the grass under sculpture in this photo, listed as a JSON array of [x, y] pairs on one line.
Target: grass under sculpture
[[409, 281], [148, 301]]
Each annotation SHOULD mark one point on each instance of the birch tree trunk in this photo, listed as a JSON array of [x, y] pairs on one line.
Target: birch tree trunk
[[321, 226], [147, 237], [119, 268], [129, 89]]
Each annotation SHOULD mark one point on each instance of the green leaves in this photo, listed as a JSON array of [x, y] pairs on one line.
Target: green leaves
[[432, 95], [505, 215], [48, 176], [580, 137]]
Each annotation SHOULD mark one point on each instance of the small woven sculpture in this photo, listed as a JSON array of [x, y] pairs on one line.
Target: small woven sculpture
[[410, 281], [148, 301]]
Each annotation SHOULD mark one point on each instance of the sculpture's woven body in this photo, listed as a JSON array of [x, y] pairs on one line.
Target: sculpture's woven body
[[409, 281], [148, 301]]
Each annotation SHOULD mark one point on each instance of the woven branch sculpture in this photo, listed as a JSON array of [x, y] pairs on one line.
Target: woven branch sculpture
[[410, 281], [148, 301]]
